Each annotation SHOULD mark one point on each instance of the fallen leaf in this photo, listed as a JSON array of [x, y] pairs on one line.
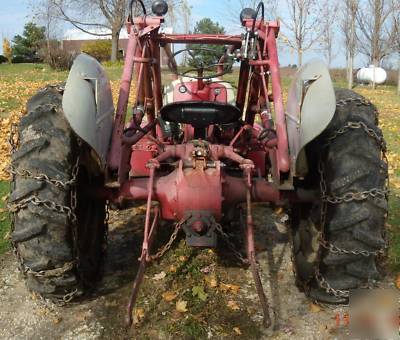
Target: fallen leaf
[[314, 308], [237, 330], [229, 288], [7, 236], [57, 320], [398, 281], [199, 292], [281, 227], [211, 281], [159, 276], [172, 269], [112, 303], [141, 210], [233, 305], [169, 296], [284, 218], [208, 269], [181, 306], [138, 315], [182, 258]]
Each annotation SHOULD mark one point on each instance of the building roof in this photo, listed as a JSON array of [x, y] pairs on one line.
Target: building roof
[[76, 34]]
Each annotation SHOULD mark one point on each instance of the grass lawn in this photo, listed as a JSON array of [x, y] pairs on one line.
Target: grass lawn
[[21, 81]]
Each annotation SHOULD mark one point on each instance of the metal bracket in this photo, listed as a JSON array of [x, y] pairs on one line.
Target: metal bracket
[[206, 238]]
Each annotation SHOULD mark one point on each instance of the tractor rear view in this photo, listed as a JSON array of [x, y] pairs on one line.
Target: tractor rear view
[[199, 153]]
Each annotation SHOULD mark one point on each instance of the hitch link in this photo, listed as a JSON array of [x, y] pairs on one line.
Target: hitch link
[[251, 254]]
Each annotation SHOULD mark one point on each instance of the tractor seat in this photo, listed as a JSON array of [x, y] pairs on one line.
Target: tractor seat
[[200, 114]]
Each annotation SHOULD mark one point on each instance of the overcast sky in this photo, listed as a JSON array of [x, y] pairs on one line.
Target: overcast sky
[[15, 13]]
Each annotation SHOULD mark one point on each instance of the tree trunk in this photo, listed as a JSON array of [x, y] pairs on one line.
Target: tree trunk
[[375, 64], [48, 49], [350, 80], [114, 46], [299, 58], [352, 42]]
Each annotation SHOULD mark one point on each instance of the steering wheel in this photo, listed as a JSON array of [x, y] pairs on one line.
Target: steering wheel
[[204, 61]]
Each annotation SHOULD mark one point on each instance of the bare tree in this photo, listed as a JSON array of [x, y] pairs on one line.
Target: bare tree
[[302, 23], [46, 13], [101, 17], [348, 28], [376, 32], [171, 16], [235, 6], [396, 26], [271, 7], [105, 18], [186, 12], [328, 28]]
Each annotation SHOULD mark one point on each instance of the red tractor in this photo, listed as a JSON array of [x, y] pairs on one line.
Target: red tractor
[[196, 150]]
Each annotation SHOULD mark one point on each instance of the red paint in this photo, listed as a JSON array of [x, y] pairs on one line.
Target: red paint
[[190, 189], [142, 152], [189, 90], [188, 182], [283, 148], [115, 152], [212, 39], [204, 177]]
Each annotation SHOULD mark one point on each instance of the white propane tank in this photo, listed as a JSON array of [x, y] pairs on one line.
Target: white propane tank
[[366, 75]]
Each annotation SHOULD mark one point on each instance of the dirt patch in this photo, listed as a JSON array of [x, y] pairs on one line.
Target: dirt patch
[[218, 294]]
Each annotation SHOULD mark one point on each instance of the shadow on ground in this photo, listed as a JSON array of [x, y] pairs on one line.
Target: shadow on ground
[[228, 308]]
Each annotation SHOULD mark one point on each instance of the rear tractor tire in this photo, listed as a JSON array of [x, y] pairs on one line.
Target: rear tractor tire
[[58, 231], [339, 241]]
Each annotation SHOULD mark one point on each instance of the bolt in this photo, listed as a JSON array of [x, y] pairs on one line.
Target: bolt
[[198, 226]]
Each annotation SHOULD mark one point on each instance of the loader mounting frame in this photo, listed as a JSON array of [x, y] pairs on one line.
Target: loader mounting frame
[[196, 180]]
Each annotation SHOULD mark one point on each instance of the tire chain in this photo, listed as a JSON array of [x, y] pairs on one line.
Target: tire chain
[[358, 125], [356, 196], [230, 244], [13, 208], [348, 197], [336, 250], [41, 178], [106, 227], [359, 102]]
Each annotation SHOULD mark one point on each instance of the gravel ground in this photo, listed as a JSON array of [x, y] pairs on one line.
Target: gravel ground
[[101, 315]]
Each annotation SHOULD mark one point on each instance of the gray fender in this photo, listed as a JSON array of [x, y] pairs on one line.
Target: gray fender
[[88, 105], [311, 106]]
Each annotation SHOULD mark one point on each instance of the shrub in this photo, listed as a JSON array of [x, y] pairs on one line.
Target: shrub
[[339, 74], [59, 59], [3, 59], [392, 77], [7, 50], [18, 59], [99, 49]]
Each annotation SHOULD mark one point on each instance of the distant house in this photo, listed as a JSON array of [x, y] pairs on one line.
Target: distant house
[[74, 39]]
